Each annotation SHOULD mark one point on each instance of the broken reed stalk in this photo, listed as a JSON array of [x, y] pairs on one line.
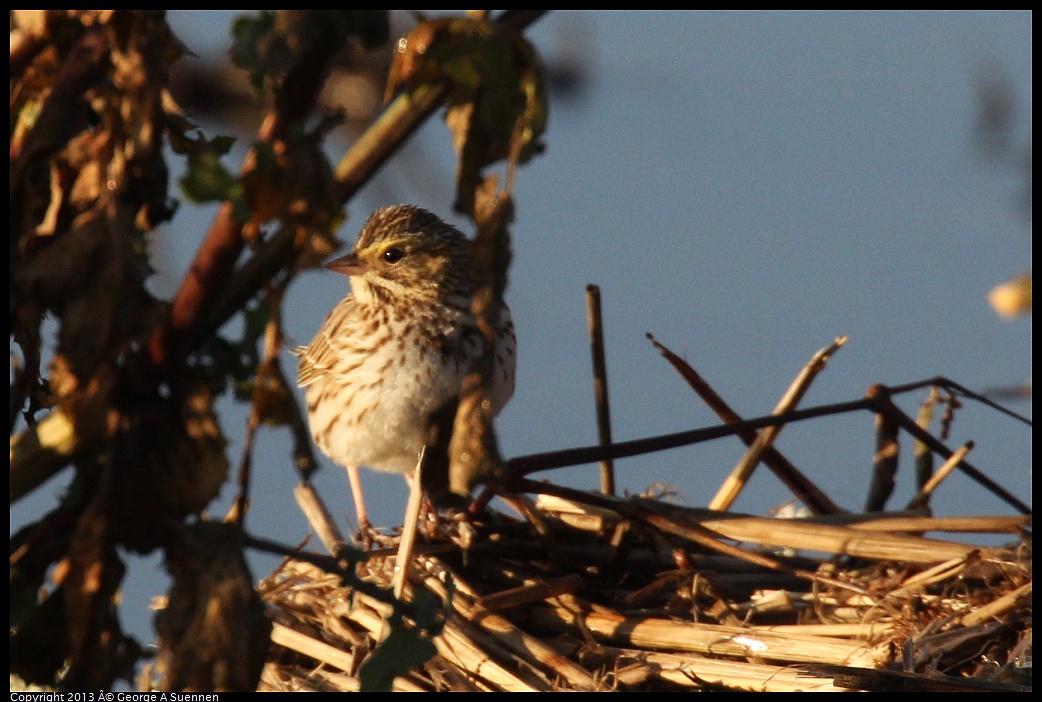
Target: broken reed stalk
[[706, 639], [922, 499], [997, 608], [409, 524], [698, 673], [728, 492], [802, 487], [884, 463], [294, 640], [914, 523], [922, 453], [314, 509], [880, 395], [595, 322], [877, 537]]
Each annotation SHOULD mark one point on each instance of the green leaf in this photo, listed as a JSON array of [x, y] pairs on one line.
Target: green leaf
[[402, 650], [407, 645], [251, 48], [207, 180]]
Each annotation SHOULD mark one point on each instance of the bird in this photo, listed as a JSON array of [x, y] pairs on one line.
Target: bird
[[397, 348]]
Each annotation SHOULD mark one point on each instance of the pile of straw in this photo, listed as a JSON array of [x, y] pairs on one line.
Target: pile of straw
[[641, 594]]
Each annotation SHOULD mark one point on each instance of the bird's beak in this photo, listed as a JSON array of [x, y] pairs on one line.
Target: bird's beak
[[348, 265]]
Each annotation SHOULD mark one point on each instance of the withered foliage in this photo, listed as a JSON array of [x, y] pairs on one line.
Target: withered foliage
[[123, 395], [90, 117]]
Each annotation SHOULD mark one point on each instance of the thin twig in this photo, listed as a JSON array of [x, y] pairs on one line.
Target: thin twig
[[523, 465], [949, 384], [884, 463], [595, 322], [242, 499]]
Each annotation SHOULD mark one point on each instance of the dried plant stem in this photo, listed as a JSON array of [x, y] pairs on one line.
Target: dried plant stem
[[880, 396], [739, 642], [595, 322], [922, 499], [521, 644], [309, 646], [470, 650], [532, 592], [698, 672], [884, 463], [802, 487], [938, 573], [314, 509], [706, 526], [412, 518], [922, 453], [242, 499], [728, 492], [995, 609], [912, 522], [378, 143]]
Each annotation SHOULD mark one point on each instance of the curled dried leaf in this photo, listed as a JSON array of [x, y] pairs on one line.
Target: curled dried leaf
[[498, 108]]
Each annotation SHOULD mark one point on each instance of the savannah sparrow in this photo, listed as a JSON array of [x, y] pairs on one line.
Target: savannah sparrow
[[398, 347]]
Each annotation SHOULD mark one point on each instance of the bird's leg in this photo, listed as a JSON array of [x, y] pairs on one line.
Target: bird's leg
[[361, 514]]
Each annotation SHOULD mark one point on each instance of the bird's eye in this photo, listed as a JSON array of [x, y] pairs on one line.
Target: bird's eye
[[394, 254]]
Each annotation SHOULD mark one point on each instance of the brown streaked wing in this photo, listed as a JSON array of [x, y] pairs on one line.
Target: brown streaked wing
[[331, 345]]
